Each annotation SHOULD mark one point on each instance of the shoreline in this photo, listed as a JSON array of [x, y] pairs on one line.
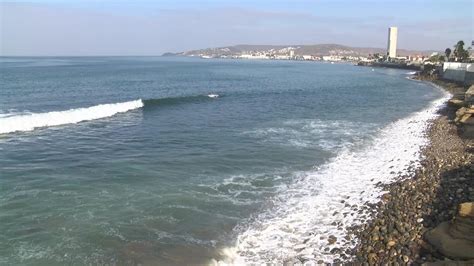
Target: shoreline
[[412, 206], [395, 151]]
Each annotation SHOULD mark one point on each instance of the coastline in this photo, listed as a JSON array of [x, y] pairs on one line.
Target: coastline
[[412, 206], [335, 213]]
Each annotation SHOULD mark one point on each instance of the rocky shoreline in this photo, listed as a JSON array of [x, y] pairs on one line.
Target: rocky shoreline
[[396, 232]]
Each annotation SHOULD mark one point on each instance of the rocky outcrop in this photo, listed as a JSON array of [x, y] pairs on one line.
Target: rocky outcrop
[[465, 114], [457, 103], [465, 121], [455, 239], [469, 96]]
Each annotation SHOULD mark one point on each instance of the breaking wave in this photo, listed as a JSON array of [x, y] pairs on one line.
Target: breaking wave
[[16, 122], [28, 122]]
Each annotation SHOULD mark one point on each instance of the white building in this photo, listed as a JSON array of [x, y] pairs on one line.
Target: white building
[[332, 58], [292, 53], [392, 42], [282, 57], [254, 56]]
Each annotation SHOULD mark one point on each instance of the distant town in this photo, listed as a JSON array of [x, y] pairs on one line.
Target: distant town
[[389, 57]]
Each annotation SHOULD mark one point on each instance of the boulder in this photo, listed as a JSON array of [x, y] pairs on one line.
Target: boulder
[[455, 239], [466, 209], [468, 130], [469, 95], [456, 103], [465, 120]]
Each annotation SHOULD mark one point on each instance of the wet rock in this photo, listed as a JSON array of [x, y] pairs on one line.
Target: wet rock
[[335, 250]]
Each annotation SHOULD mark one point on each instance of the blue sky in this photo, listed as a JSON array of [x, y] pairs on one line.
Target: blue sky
[[145, 27]]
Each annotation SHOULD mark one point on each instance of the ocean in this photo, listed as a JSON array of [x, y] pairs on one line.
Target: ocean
[[128, 160]]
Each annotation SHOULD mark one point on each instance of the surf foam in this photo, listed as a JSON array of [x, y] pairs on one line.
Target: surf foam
[[329, 135], [325, 201], [29, 122]]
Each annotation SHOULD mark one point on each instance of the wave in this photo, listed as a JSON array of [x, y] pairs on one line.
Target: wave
[[179, 100], [28, 122], [327, 200], [14, 122]]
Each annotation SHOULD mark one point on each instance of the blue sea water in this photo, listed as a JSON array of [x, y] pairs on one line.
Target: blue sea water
[[160, 173]]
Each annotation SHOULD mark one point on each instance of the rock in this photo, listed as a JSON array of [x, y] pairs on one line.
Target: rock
[[332, 239], [449, 246], [469, 95], [375, 237], [391, 243], [397, 229], [466, 208], [372, 256], [393, 253], [335, 250], [456, 103], [465, 120]]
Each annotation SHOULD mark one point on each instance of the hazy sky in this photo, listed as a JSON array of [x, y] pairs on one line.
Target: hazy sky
[[146, 27]]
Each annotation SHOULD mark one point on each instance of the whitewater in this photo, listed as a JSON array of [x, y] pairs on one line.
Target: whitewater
[[326, 201], [173, 161], [28, 122]]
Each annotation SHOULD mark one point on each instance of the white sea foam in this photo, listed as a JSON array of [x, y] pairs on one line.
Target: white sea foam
[[314, 205], [28, 122], [329, 135]]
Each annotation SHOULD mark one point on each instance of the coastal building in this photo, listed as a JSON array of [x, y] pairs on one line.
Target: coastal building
[[254, 56], [292, 53], [332, 58], [392, 42], [282, 57]]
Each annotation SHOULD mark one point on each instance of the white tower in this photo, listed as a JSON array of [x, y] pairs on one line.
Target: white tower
[[392, 42]]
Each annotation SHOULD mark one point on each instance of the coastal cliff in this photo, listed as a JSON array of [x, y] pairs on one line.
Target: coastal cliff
[[405, 227]]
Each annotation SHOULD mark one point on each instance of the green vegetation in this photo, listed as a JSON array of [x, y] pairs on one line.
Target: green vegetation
[[437, 58], [460, 54], [447, 52]]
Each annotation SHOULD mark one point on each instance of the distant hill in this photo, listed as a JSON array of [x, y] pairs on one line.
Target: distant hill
[[315, 49]]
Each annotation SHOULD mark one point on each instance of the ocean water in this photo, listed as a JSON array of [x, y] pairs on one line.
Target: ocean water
[[127, 160]]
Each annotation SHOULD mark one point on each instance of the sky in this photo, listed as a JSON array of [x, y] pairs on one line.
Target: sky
[[147, 27]]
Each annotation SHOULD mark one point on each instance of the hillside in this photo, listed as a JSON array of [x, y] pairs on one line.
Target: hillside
[[316, 49]]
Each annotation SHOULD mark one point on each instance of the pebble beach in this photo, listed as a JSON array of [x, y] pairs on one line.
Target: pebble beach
[[414, 205]]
